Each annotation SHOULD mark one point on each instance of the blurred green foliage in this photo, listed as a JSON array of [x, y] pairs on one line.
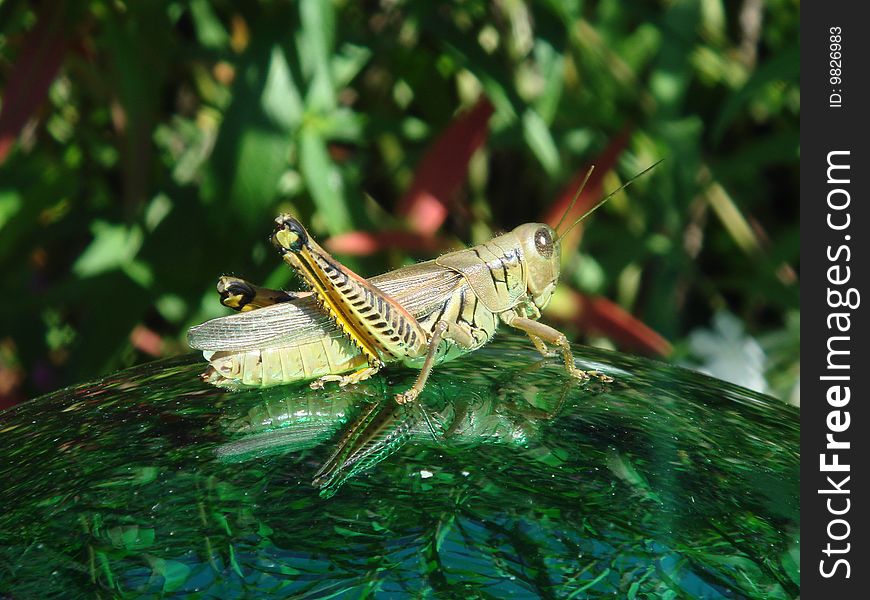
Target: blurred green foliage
[[171, 133]]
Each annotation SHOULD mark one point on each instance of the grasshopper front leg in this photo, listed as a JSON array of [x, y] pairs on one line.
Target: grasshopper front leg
[[547, 334], [529, 310], [540, 346]]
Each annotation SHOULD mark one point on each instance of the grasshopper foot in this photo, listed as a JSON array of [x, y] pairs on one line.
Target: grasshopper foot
[[407, 397], [587, 375], [578, 374], [601, 376]]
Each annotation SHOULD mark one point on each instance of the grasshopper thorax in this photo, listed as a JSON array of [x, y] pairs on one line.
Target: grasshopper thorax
[[542, 253]]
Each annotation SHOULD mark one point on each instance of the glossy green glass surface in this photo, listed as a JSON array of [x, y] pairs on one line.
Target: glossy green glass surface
[[509, 479]]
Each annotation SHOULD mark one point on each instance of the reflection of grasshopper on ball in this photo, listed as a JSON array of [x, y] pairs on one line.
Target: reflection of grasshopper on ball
[[347, 328], [363, 432]]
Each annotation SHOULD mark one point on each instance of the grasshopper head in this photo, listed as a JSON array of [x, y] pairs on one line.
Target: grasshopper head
[[542, 253]]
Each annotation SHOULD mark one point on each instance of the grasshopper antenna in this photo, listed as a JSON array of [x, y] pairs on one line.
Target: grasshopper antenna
[[607, 197], [574, 199]]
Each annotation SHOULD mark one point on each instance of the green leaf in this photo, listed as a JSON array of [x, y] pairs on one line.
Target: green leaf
[[209, 30], [315, 43], [552, 66], [10, 204], [253, 146], [784, 65], [538, 137], [348, 62], [262, 158], [323, 180], [281, 101], [345, 125], [171, 307], [113, 247], [157, 210]]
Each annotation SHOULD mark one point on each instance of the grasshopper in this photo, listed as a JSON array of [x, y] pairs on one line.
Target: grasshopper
[[348, 328]]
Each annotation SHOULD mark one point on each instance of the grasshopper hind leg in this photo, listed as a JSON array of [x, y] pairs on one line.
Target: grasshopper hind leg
[[443, 330], [242, 295]]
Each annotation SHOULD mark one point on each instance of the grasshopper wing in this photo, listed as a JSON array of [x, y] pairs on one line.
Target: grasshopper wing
[[285, 324], [420, 288]]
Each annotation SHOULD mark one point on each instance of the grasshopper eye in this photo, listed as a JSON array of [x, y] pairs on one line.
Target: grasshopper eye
[[289, 234], [544, 242]]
